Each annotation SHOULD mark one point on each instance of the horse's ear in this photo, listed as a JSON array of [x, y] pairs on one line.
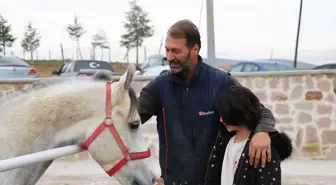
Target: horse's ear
[[127, 78]]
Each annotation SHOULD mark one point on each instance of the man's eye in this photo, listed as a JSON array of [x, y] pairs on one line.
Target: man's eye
[[134, 125]]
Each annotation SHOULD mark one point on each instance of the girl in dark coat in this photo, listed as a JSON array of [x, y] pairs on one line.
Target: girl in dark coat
[[228, 164]]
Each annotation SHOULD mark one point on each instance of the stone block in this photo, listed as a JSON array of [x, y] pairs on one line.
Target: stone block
[[324, 85], [249, 83], [299, 138], [309, 83], [303, 105], [304, 118], [261, 95], [274, 82], [324, 122], [282, 109], [285, 84], [296, 92], [311, 150], [313, 95], [324, 109], [259, 83], [331, 155], [311, 134], [284, 120], [330, 98], [331, 76], [278, 96], [296, 79], [329, 137]]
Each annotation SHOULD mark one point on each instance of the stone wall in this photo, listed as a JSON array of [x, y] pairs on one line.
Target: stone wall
[[303, 103]]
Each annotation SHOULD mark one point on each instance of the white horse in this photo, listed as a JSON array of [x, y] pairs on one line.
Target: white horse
[[94, 113]]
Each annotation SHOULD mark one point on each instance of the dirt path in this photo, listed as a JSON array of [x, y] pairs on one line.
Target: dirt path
[[89, 173]]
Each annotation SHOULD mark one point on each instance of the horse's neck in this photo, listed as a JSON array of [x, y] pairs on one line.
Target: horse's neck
[[53, 119], [38, 122], [30, 174]]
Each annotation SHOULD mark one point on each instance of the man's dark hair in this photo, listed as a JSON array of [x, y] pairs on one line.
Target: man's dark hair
[[187, 30], [238, 106]]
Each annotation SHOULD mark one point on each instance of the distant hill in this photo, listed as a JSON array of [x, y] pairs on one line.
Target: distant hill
[[222, 61], [300, 64]]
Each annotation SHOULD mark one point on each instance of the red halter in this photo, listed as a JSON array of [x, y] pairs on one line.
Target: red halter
[[107, 123]]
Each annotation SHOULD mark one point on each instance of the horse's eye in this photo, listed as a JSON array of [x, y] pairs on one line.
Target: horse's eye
[[134, 125]]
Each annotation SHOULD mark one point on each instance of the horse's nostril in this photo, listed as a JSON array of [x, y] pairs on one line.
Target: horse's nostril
[[135, 182]]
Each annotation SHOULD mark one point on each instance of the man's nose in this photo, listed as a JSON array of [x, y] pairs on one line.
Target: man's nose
[[170, 56]]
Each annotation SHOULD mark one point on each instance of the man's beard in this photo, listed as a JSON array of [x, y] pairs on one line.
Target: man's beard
[[180, 68]]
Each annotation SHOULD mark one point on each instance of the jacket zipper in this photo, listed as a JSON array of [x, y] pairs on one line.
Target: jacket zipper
[[166, 138], [207, 169]]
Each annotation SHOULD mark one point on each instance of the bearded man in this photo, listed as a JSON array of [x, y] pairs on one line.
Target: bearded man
[[183, 100]]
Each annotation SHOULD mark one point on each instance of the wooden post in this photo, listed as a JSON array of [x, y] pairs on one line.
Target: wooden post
[[62, 53]]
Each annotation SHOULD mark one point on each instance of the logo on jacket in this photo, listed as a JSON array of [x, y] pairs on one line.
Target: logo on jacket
[[202, 113]]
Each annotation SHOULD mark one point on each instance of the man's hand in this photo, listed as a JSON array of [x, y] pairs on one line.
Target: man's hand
[[158, 181], [260, 145]]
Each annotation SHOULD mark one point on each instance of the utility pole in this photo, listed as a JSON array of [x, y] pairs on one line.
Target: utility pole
[[297, 36], [271, 57], [210, 31]]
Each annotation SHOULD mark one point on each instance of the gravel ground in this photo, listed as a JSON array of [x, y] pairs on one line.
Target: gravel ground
[[89, 173]]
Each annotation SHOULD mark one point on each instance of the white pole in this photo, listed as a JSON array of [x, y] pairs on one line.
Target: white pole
[[47, 155], [210, 31]]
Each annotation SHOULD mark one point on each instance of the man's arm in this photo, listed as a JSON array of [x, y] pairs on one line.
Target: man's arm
[[267, 121], [260, 145], [148, 102]]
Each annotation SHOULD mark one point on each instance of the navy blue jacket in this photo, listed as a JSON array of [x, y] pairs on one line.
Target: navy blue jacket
[[187, 121]]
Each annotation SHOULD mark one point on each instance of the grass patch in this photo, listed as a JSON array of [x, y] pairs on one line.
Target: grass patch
[[45, 67]]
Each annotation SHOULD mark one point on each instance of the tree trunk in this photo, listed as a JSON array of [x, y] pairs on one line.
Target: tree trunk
[[3, 46], [79, 50], [137, 57], [102, 54], [137, 53], [31, 55], [109, 50], [93, 52]]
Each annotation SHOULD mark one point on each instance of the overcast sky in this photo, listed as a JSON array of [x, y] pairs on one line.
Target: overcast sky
[[244, 29]]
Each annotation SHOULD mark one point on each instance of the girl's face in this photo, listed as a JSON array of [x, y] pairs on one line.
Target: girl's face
[[230, 128]]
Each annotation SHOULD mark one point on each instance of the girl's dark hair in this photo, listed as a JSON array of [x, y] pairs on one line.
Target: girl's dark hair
[[238, 106]]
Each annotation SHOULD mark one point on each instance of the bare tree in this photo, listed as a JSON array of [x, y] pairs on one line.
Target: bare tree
[[76, 31], [100, 40], [31, 40], [6, 38]]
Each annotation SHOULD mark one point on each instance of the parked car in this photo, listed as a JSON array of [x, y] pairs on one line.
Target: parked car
[[259, 66], [153, 61], [156, 70], [13, 67], [84, 67], [326, 66]]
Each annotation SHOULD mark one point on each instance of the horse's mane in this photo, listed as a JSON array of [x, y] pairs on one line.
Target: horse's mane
[[47, 82], [36, 85]]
